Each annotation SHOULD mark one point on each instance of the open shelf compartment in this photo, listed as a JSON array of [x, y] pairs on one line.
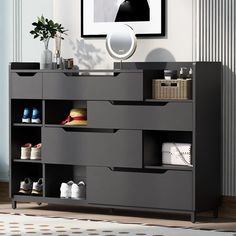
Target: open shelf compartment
[[55, 175], [57, 111], [153, 141], [18, 106], [22, 135], [20, 171]]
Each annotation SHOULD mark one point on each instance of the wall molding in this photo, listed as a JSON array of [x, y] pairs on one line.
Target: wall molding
[[214, 40], [17, 30]]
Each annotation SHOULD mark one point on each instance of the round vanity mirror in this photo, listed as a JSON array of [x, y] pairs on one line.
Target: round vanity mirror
[[121, 42]]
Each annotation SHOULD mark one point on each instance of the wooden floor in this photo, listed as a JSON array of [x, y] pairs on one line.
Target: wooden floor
[[225, 222], [203, 221], [4, 192]]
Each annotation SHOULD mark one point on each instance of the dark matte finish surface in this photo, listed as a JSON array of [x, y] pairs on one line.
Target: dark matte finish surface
[[153, 65], [165, 116], [165, 190], [51, 200], [208, 135], [26, 85], [122, 86], [126, 133], [25, 66], [122, 148]]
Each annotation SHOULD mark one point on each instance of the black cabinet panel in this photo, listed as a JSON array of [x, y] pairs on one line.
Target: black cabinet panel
[[119, 153], [26, 85], [166, 190], [122, 86], [122, 148], [166, 116]]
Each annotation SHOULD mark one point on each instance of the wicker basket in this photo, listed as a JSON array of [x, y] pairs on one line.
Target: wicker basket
[[172, 89]]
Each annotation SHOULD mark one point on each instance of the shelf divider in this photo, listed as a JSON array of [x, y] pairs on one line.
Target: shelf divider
[[170, 167], [27, 161], [27, 125]]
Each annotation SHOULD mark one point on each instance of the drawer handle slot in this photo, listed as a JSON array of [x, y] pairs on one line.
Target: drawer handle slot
[[118, 169], [141, 103], [26, 74], [92, 74], [88, 130]]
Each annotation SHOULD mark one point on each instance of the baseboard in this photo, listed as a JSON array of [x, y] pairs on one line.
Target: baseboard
[[226, 210], [4, 192], [228, 207]]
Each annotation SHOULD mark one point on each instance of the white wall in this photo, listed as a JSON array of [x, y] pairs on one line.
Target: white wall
[[6, 56], [90, 53], [30, 51], [31, 48], [175, 46]]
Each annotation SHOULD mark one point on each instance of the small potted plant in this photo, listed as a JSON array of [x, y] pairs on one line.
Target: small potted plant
[[46, 29]]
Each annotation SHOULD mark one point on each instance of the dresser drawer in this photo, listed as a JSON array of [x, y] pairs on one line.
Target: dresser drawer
[[122, 148], [26, 85], [165, 116], [167, 190], [122, 86]]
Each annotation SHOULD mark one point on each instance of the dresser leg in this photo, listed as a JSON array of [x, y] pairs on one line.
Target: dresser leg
[[111, 211], [13, 204], [215, 213], [193, 217]]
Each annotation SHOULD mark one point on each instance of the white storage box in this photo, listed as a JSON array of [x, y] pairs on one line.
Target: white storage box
[[176, 154]]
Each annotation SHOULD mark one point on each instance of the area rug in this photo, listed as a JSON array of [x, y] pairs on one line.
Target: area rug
[[19, 224]]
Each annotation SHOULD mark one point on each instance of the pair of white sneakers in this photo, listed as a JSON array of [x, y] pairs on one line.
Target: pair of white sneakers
[[30, 152], [27, 186], [73, 190]]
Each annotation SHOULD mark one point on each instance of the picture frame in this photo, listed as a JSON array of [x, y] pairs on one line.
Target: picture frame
[[98, 17]]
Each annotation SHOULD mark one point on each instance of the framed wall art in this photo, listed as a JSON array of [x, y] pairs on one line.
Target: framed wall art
[[145, 17]]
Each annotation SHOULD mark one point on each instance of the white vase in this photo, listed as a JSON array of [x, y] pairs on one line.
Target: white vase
[[46, 56]]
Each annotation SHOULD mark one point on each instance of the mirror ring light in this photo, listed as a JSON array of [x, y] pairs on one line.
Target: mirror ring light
[[121, 43]]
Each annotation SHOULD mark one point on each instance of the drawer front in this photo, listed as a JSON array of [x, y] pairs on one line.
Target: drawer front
[[168, 116], [26, 85], [120, 149], [168, 190], [123, 86]]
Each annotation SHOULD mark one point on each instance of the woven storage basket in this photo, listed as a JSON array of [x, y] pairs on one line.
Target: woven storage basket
[[172, 89]]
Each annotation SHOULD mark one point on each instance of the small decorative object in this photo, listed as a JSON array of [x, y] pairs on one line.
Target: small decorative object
[[78, 116], [176, 154], [172, 89], [190, 73], [183, 73], [69, 63], [58, 49], [147, 18], [46, 29], [170, 74]]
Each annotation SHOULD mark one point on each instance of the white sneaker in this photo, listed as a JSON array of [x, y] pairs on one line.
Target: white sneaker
[[26, 186], [25, 151], [65, 189], [36, 152], [38, 187], [78, 190]]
